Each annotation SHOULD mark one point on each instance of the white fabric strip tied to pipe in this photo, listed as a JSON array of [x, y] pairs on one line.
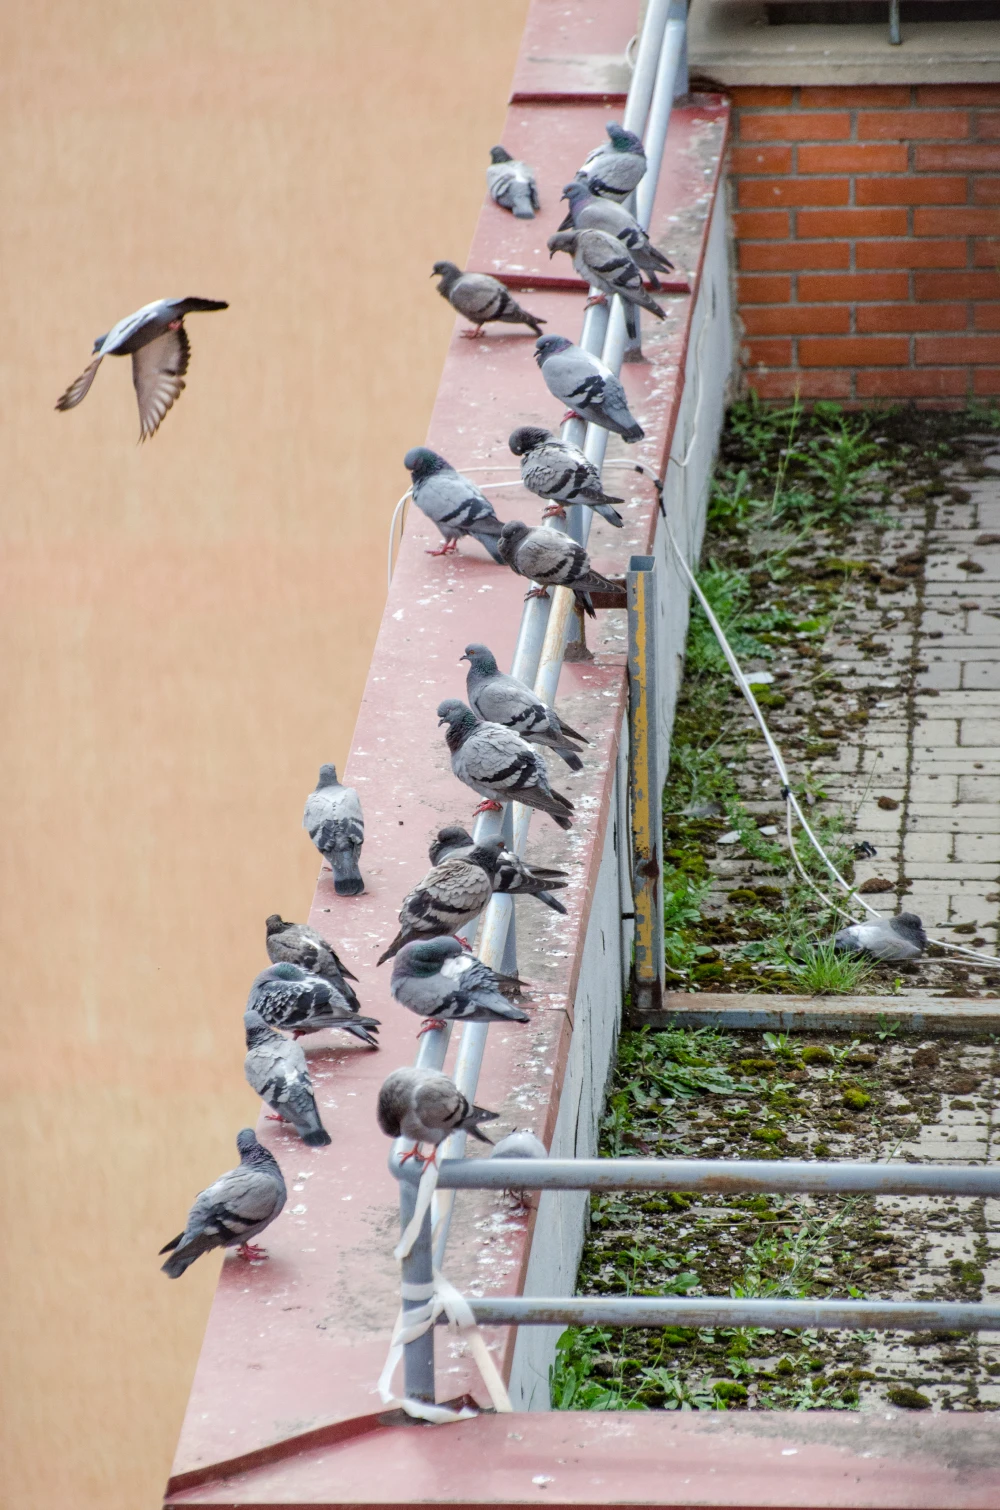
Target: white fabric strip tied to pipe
[[425, 1194], [440, 1296]]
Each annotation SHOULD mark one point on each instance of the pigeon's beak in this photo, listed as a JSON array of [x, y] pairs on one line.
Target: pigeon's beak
[[462, 658]]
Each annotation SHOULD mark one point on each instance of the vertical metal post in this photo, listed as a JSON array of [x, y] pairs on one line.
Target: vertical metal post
[[417, 1279], [894, 38], [508, 964], [645, 789]]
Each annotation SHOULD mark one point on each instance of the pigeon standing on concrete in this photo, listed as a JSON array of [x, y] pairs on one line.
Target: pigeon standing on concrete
[[616, 167], [501, 699], [451, 502], [591, 389], [155, 338], [588, 212], [276, 1069], [559, 472], [442, 982], [519, 1145], [499, 765], [336, 826], [604, 263], [426, 1107], [240, 1204], [298, 944], [513, 876], [288, 997], [448, 897], [901, 937], [552, 559], [482, 299], [511, 184]]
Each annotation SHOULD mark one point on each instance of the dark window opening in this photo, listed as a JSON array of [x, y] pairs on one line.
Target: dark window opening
[[874, 12]]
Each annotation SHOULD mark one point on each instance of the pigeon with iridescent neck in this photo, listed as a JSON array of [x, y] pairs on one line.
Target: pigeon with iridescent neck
[[240, 1203], [442, 982], [587, 386], [589, 212], [288, 997], [553, 559], [616, 167], [558, 471], [504, 700], [604, 263], [336, 826], [276, 1069], [513, 876], [451, 502], [499, 764], [482, 299]]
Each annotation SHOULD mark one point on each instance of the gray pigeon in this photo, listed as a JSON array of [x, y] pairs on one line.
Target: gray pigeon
[[501, 699], [901, 937], [298, 944], [519, 1145], [591, 389], [155, 338], [288, 997], [499, 765], [448, 897], [552, 559], [616, 167], [442, 982], [481, 299], [336, 826], [588, 212], [511, 184], [276, 1069], [604, 263], [427, 1107], [512, 877], [451, 502], [240, 1204], [559, 472]]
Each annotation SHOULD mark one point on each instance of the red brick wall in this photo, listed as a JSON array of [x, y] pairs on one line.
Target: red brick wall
[[868, 241]]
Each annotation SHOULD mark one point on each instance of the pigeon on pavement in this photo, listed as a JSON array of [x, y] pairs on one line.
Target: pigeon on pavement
[[511, 184], [451, 502], [427, 1107], [501, 699], [442, 982], [513, 876], [448, 897], [298, 944], [288, 997], [617, 166], [499, 764], [155, 338], [240, 1204], [276, 1069], [591, 389], [481, 299], [901, 937], [559, 472], [604, 263], [552, 559], [589, 212], [336, 826]]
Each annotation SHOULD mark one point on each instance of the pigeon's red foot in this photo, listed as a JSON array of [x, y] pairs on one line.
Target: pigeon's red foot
[[299, 1033], [274, 1116], [421, 1158], [570, 414], [448, 549], [251, 1252], [175, 324], [430, 1025], [488, 806], [596, 299], [536, 592], [554, 511], [474, 334], [459, 940]]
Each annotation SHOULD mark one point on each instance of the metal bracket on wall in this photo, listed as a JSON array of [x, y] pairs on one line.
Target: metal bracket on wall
[[645, 787]]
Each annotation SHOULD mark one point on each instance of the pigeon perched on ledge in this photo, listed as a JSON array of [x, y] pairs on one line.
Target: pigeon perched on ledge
[[501, 699], [587, 386], [604, 263], [448, 897], [589, 212], [451, 502], [276, 1069], [512, 877], [234, 1209], [482, 299], [511, 184], [897, 938], [289, 998], [298, 944], [442, 982], [499, 764], [336, 826], [616, 167], [553, 559], [426, 1107], [558, 471]]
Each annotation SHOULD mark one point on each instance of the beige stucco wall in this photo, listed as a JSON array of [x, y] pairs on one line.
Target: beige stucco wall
[[186, 624]]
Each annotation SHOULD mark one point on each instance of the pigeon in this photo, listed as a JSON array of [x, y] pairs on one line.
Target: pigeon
[[448, 897], [519, 1145], [158, 344], [276, 1069], [512, 877], [616, 167], [451, 502], [240, 1204], [336, 826], [602, 261], [552, 559], [901, 937], [501, 699], [442, 982], [289, 997], [481, 299], [511, 184], [298, 944], [590, 388], [589, 212], [427, 1107], [499, 765], [559, 472]]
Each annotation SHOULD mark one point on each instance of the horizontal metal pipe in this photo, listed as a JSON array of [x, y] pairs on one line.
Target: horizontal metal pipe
[[719, 1176], [821, 1315]]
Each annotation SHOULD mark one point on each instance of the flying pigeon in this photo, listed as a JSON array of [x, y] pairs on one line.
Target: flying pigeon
[[511, 184], [616, 167], [603, 262], [499, 764], [448, 897], [276, 1069], [442, 982], [552, 559], [427, 1107], [559, 472], [298, 944], [901, 937], [591, 389], [589, 212], [289, 997], [481, 299], [451, 502], [240, 1204], [513, 876], [158, 344], [501, 699], [336, 826]]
